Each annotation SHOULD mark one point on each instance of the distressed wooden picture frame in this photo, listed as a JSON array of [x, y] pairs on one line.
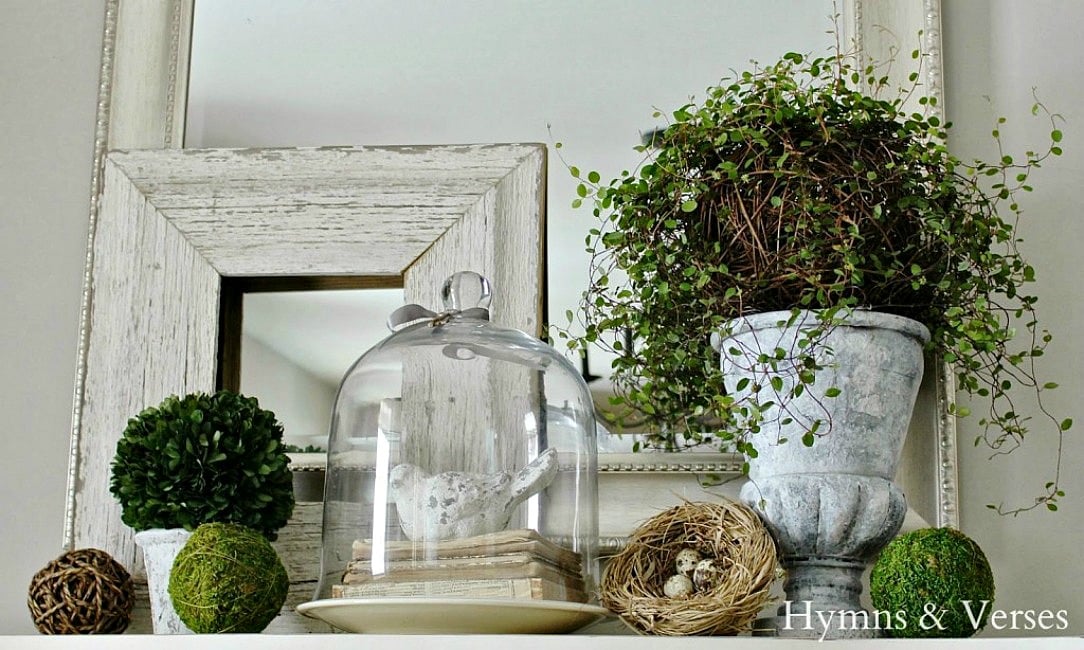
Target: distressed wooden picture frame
[[175, 225]]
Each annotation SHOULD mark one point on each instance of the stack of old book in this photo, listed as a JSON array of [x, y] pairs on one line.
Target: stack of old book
[[518, 564]]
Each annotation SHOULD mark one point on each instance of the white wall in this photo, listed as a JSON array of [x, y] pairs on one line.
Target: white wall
[[1002, 49], [49, 80], [49, 51]]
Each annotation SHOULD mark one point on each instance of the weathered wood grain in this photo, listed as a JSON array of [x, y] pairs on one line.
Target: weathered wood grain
[[173, 223], [333, 210], [153, 332], [457, 424]]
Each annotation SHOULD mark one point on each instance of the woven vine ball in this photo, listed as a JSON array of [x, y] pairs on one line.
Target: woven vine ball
[[744, 554], [84, 591]]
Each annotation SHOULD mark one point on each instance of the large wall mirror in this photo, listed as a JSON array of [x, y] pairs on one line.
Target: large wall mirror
[[216, 73], [293, 73], [417, 73]]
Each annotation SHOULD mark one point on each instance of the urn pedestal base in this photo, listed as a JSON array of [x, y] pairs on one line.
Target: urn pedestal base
[[814, 608], [827, 527]]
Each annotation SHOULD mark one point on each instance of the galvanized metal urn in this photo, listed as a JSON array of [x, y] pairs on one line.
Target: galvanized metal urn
[[833, 505]]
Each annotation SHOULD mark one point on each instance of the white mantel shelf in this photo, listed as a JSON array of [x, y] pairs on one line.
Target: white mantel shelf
[[469, 642]]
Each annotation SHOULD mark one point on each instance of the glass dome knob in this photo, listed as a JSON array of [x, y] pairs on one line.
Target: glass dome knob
[[466, 290]]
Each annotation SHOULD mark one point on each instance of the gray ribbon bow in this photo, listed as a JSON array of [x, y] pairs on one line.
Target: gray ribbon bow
[[408, 315]]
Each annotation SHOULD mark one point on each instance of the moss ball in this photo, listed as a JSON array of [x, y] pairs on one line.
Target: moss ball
[[227, 578], [927, 575]]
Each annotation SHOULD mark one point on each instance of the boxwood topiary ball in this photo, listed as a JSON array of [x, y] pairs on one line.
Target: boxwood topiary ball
[[203, 458], [227, 578], [926, 575]]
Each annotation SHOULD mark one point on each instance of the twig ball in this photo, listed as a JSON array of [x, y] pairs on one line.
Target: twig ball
[[742, 553], [933, 569], [227, 578], [84, 591]]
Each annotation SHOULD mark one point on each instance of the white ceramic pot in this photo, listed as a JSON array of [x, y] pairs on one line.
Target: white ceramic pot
[[831, 507], [160, 547]]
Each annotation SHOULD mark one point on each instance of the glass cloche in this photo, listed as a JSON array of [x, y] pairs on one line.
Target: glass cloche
[[461, 464]]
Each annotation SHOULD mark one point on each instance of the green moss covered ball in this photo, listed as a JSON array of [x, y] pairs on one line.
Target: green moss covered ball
[[227, 578], [931, 570]]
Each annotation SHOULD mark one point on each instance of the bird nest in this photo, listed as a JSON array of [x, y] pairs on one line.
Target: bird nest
[[739, 562]]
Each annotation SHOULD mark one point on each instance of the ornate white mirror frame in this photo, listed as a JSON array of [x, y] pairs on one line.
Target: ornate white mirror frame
[[143, 82]]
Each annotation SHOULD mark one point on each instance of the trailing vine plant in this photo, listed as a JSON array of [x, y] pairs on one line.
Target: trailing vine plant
[[788, 188]]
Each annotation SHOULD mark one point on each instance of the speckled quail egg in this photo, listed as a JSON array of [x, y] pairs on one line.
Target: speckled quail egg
[[677, 586], [686, 561], [706, 575]]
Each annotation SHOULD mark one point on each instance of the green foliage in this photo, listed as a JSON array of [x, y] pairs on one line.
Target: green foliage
[[307, 449], [788, 188], [203, 458], [227, 578], [930, 570]]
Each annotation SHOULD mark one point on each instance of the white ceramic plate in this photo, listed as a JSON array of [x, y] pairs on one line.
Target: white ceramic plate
[[452, 615]]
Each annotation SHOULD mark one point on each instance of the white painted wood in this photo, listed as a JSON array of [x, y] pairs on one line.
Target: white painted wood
[[141, 103], [480, 239], [335, 210], [888, 31], [150, 73], [153, 332], [173, 222]]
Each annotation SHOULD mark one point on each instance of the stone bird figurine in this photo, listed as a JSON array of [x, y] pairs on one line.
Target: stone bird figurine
[[454, 505]]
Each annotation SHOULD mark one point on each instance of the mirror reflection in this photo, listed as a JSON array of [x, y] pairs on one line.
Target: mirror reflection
[[590, 75], [297, 345]]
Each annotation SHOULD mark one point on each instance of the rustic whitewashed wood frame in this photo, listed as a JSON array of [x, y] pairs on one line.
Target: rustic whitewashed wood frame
[[142, 103], [174, 223]]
